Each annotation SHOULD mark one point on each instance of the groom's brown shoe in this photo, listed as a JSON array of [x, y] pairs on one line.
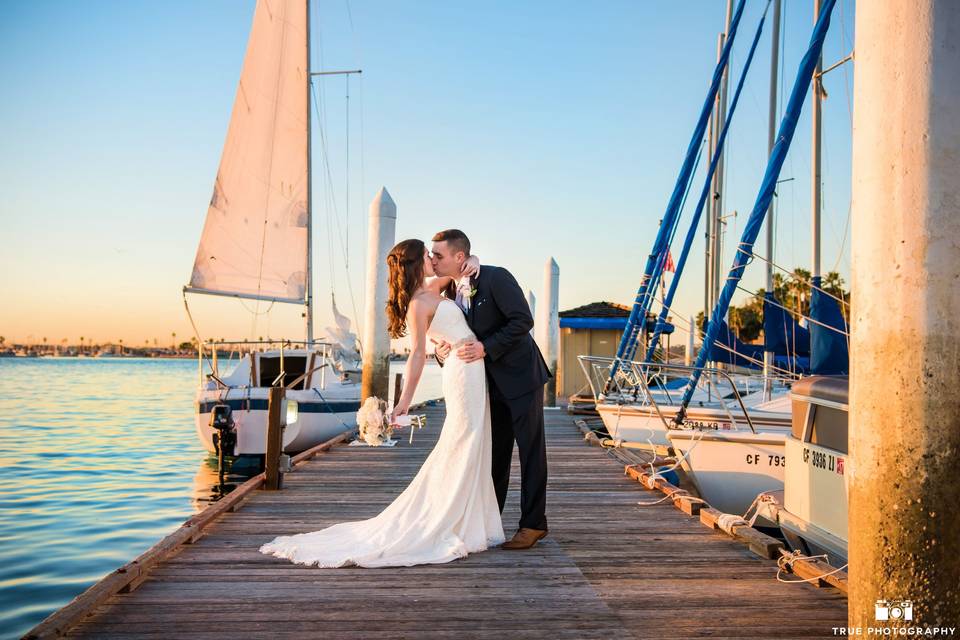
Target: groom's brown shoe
[[524, 539]]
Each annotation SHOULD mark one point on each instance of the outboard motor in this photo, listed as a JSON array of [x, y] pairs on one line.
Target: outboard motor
[[224, 433]]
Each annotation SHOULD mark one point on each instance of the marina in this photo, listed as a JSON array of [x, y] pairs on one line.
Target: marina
[[761, 444]]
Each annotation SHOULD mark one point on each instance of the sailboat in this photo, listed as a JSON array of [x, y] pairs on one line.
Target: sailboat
[[730, 469], [256, 245], [639, 401]]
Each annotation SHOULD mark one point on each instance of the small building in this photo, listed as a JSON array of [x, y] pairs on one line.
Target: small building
[[593, 329]]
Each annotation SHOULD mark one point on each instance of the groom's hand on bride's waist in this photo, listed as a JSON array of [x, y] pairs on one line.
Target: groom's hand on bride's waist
[[470, 351], [441, 349]]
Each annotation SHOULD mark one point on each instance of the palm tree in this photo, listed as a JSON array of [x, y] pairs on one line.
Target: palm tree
[[120, 341], [174, 336], [2, 340], [81, 344]]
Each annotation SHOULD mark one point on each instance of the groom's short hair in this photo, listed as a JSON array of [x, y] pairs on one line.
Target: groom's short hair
[[455, 238]]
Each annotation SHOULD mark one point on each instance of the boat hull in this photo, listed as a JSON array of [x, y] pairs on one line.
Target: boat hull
[[815, 500], [318, 419], [646, 423], [731, 468]]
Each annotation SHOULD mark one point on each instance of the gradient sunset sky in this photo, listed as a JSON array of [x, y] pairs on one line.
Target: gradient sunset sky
[[539, 128]]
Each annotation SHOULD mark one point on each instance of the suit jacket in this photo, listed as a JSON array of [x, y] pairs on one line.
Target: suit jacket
[[500, 317]]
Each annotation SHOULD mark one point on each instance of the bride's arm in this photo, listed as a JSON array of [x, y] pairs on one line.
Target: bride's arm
[[417, 322], [471, 267]]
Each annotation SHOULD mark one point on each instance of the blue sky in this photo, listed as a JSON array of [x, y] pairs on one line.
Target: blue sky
[[539, 128]]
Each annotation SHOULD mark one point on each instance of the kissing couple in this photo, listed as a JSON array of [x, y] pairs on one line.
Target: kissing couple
[[493, 375]]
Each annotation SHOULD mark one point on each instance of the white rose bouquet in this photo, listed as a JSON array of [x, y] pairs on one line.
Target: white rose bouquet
[[373, 419]]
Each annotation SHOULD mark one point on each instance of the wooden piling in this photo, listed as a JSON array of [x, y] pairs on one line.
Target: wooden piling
[[274, 439], [397, 388]]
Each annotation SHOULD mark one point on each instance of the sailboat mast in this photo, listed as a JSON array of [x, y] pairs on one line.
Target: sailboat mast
[[815, 154], [308, 302], [771, 139], [718, 223]]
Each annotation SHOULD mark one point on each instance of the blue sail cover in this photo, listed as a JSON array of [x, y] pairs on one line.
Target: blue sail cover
[[829, 354], [746, 355], [704, 193], [657, 257], [788, 127], [750, 356], [781, 333]]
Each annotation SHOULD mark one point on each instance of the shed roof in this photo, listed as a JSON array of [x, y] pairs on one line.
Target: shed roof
[[601, 309]]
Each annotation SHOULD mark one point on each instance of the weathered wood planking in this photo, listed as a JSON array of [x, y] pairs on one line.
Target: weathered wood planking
[[608, 569]]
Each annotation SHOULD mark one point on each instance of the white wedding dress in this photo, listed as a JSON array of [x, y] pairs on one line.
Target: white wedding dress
[[449, 509]]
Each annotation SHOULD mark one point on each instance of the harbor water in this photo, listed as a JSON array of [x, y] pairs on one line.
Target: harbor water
[[99, 459]]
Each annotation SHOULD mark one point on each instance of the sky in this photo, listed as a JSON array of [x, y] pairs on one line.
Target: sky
[[541, 129]]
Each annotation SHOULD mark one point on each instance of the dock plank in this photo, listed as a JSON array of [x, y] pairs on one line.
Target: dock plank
[[610, 568]]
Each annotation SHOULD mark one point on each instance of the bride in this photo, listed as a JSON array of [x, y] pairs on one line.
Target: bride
[[450, 508]]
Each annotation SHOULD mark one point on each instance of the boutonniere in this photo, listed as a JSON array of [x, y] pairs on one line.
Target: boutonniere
[[471, 292]]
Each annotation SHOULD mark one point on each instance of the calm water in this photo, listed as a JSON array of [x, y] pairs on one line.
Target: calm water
[[98, 460]]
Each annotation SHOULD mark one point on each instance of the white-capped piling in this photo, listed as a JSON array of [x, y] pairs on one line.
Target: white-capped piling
[[381, 235], [548, 327], [905, 343]]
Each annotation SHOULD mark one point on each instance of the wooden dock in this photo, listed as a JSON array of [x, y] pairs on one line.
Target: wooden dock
[[608, 569]]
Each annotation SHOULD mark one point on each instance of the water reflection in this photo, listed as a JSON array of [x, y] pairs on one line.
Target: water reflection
[[212, 483], [99, 459]]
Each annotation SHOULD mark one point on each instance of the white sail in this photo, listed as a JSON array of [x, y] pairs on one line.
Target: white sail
[[254, 241], [345, 353]]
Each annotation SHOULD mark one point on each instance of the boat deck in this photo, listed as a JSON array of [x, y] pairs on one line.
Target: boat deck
[[609, 568]]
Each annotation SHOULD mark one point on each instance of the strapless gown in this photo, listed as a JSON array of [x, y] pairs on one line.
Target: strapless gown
[[449, 509]]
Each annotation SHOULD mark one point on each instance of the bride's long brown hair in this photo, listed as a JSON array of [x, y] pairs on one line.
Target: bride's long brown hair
[[405, 268]]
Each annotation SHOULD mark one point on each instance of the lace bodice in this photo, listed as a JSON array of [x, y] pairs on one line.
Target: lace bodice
[[449, 323]]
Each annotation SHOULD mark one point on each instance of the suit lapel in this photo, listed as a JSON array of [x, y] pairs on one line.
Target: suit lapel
[[473, 300]]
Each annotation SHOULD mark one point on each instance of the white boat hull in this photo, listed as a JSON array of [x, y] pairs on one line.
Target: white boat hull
[[649, 424], [815, 499], [731, 468], [317, 421]]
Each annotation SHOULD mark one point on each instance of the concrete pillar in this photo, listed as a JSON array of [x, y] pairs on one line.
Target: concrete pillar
[[904, 520], [532, 303], [381, 235], [548, 330]]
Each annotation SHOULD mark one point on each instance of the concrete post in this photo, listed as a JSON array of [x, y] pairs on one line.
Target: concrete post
[[548, 331], [904, 522], [376, 343]]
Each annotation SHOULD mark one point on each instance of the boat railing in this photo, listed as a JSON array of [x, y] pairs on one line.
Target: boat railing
[[325, 349], [638, 382]]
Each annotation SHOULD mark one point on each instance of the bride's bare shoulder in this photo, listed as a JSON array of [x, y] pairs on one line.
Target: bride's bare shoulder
[[424, 304]]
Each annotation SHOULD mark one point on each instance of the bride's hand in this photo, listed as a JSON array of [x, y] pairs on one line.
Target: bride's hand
[[400, 410], [470, 266]]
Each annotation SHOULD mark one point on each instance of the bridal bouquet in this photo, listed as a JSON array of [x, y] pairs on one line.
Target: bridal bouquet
[[373, 419]]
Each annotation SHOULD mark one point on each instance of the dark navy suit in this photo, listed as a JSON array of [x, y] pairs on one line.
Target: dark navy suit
[[500, 317]]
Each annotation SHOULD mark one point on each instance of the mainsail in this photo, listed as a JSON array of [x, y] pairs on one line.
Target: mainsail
[[254, 241]]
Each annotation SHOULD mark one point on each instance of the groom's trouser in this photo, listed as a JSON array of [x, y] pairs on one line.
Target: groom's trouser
[[521, 420]]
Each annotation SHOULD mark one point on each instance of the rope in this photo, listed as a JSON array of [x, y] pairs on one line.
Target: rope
[[339, 419], [784, 562], [727, 521], [196, 332], [809, 283]]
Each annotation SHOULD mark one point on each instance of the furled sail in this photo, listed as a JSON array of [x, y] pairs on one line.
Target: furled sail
[[829, 353], [254, 241], [345, 354]]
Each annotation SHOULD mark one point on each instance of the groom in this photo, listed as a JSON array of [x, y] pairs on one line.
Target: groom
[[499, 315]]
